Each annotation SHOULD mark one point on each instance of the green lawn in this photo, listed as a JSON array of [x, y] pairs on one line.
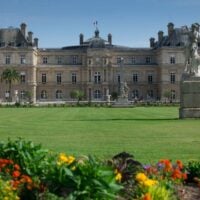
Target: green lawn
[[150, 133]]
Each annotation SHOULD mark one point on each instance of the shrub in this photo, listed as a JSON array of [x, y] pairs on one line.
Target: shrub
[[32, 158], [193, 169], [83, 178]]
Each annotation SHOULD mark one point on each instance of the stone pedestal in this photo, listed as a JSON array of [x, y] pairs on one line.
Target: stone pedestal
[[122, 102], [190, 97]]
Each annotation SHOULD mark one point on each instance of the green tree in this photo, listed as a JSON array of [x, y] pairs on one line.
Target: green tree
[[114, 95], [77, 94], [167, 95], [10, 75]]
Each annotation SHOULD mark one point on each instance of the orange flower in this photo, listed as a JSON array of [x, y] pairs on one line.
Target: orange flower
[[180, 164], [29, 187], [167, 165], [17, 167], [16, 174], [147, 196], [26, 179], [184, 176], [176, 174], [15, 184]]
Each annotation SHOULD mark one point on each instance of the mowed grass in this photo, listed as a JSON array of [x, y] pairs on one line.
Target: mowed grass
[[149, 133]]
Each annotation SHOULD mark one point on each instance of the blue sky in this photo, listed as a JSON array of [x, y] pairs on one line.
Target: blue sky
[[58, 23]]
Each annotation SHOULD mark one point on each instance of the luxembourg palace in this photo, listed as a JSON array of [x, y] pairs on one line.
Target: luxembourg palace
[[93, 66]]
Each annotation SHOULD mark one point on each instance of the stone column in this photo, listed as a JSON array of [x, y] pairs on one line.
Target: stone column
[[33, 85]]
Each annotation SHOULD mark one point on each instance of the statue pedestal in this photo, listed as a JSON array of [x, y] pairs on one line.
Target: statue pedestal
[[122, 102], [190, 97]]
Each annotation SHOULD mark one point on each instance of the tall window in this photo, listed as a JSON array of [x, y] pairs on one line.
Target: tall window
[[118, 60], [148, 60], [172, 78], [59, 60], [150, 94], [89, 61], [44, 78], [97, 94], [22, 77], [133, 60], [150, 78], [173, 94], [73, 78], [135, 78], [75, 60], [22, 59], [135, 94], [44, 60], [58, 78], [58, 94], [97, 77], [172, 60], [7, 94], [8, 59], [118, 78], [43, 94], [22, 94]]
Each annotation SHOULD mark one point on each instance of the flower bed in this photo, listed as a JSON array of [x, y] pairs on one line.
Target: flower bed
[[27, 171]]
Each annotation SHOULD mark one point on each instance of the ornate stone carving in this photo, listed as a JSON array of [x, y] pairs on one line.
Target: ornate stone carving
[[192, 58]]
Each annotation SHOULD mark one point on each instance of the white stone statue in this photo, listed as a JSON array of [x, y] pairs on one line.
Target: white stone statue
[[124, 90], [192, 58]]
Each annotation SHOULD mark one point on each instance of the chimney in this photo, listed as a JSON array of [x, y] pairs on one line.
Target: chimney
[[152, 42], [170, 27], [36, 42], [30, 36], [81, 38], [160, 35], [110, 39], [23, 29]]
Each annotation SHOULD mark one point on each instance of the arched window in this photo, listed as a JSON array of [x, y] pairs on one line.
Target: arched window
[[43, 94], [97, 94], [58, 94]]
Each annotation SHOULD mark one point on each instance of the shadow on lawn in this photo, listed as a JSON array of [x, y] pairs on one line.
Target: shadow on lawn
[[126, 119]]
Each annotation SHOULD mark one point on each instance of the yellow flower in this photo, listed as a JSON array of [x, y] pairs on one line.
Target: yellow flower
[[70, 159], [73, 168], [141, 177], [118, 177], [63, 158], [150, 182]]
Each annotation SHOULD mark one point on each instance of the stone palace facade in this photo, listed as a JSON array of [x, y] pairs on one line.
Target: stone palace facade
[[93, 66]]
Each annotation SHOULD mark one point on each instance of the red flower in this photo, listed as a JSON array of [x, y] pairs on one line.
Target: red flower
[[16, 174]]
